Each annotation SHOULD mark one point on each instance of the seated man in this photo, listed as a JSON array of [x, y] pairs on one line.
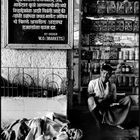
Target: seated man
[[102, 101]]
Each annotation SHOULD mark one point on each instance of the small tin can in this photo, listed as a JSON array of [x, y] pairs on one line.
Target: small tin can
[[131, 55], [120, 55], [136, 26], [136, 7], [111, 7], [126, 55], [120, 80], [131, 81], [101, 7], [128, 25], [137, 90], [94, 55], [111, 25], [120, 7], [129, 8], [136, 81], [104, 25], [136, 54], [124, 80], [120, 24], [96, 25]]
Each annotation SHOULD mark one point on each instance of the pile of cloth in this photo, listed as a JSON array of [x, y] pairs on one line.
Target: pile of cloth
[[56, 127]]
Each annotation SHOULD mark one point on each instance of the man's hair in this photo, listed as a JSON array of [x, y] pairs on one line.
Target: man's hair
[[107, 67]]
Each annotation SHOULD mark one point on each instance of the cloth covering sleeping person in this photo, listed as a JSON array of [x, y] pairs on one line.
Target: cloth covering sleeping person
[[102, 101]]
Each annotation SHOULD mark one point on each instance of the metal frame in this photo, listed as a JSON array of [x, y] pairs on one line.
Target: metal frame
[[40, 46], [23, 84]]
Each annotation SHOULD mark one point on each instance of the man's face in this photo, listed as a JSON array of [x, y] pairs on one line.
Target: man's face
[[105, 75]]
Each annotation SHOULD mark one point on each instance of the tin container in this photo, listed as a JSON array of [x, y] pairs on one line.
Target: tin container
[[120, 25], [131, 81], [96, 25], [136, 54], [111, 25], [129, 8], [137, 90], [111, 7], [136, 7], [120, 55], [104, 25], [131, 55], [136, 26], [120, 7], [126, 55], [101, 7], [94, 54], [91, 39], [128, 25], [124, 81], [120, 80], [136, 81]]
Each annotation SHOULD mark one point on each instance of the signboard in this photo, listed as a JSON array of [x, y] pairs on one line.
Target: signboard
[[40, 24]]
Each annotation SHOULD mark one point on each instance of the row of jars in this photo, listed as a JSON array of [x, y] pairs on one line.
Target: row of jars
[[119, 7], [127, 81], [118, 25], [111, 7], [94, 68], [110, 54], [129, 54]]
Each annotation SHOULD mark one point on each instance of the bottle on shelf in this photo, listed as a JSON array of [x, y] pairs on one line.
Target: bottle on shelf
[[127, 69], [123, 68]]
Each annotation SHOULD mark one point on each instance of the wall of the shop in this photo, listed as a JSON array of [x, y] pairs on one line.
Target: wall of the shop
[[33, 59], [28, 107], [29, 58]]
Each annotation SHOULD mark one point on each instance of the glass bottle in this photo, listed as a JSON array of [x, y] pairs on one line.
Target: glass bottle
[[123, 69], [127, 69]]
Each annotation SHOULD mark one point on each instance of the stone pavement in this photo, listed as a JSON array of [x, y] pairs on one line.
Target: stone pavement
[[81, 118]]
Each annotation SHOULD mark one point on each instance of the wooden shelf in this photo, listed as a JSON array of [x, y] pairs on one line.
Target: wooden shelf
[[121, 60], [119, 46], [90, 19], [110, 15], [126, 32]]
